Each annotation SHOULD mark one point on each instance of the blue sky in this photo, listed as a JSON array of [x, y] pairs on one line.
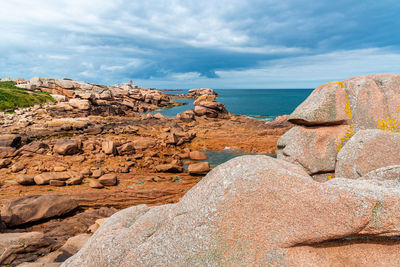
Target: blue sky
[[187, 44]]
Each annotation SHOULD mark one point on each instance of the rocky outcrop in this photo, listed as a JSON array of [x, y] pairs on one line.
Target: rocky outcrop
[[77, 98], [34, 208], [227, 220], [334, 112], [206, 106], [202, 91]]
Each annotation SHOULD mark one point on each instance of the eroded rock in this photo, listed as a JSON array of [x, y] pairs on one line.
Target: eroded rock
[[28, 209]]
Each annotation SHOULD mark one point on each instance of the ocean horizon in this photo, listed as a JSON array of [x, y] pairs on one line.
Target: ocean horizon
[[262, 104]]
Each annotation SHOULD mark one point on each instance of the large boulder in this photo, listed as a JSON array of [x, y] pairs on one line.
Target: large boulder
[[338, 110], [362, 101], [315, 149], [33, 208], [366, 151], [255, 211]]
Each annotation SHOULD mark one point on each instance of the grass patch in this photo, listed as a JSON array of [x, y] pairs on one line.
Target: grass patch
[[12, 97]]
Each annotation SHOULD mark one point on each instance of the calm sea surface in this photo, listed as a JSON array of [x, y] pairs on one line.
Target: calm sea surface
[[264, 104]]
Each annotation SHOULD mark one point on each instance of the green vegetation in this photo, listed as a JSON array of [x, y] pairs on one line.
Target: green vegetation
[[12, 97]]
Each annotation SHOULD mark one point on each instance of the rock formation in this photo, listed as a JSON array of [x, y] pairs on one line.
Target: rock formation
[[333, 113], [257, 210], [202, 91]]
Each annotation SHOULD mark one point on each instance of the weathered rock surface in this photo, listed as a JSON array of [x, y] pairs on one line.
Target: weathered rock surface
[[314, 148], [364, 102], [366, 151], [34, 208], [66, 147], [255, 210], [206, 106], [16, 248], [71, 247], [9, 140], [108, 179]]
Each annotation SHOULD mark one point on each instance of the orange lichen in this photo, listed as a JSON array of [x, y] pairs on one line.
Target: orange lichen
[[389, 124], [341, 84], [350, 130], [349, 134]]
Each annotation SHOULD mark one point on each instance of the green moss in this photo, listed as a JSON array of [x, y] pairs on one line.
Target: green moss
[[12, 97]]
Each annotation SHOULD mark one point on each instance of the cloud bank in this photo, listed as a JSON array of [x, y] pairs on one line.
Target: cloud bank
[[183, 44]]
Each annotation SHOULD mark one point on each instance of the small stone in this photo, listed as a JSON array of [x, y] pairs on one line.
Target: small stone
[[74, 181], [169, 168], [108, 147], [86, 171], [97, 173], [201, 168], [108, 179], [4, 163], [95, 184], [18, 166], [25, 180]]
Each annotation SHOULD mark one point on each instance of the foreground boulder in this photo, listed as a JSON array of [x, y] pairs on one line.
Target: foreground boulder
[[368, 150], [29, 209], [336, 111], [253, 211]]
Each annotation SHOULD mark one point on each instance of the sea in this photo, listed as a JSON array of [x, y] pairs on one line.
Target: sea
[[262, 104]]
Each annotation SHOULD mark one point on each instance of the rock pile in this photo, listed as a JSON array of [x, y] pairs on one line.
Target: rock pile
[[79, 98]]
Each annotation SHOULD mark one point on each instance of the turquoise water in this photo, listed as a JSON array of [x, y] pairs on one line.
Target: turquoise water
[[264, 104], [216, 158]]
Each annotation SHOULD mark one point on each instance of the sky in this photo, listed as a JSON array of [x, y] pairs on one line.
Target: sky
[[207, 43]]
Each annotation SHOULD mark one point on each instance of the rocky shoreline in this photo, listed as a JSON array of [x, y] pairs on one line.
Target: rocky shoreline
[[329, 199], [94, 149]]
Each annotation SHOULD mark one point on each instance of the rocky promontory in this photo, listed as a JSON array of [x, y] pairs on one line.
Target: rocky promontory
[[329, 199]]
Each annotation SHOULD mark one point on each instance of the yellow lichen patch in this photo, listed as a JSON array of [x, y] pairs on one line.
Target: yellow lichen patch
[[341, 84], [347, 108], [389, 124], [350, 130], [349, 134]]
